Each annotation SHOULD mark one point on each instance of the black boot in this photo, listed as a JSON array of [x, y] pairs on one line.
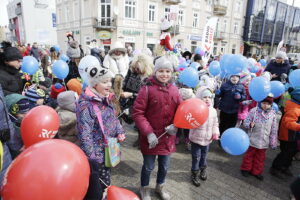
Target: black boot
[[203, 175], [195, 178], [245, 173]]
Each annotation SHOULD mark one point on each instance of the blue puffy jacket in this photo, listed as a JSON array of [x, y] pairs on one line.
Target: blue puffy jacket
[[228, 103]]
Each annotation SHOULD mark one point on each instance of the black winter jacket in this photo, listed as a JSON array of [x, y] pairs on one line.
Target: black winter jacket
[[10, 79]]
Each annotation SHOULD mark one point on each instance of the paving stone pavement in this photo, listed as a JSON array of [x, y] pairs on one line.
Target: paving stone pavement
[[224, 179]]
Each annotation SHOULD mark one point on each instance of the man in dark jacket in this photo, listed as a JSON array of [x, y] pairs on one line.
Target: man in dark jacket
[[35, 51], [278, 66], [10, 77]]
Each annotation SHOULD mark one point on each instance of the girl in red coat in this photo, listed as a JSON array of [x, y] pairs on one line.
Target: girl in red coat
[[153, 113]]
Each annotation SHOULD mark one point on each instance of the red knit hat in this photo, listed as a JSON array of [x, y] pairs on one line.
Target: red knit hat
[[269, 100], [55, 90]]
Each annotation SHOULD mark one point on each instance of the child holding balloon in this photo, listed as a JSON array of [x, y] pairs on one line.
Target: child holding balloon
[[203, 136], [262, 130], [153, 112], [96, 124]]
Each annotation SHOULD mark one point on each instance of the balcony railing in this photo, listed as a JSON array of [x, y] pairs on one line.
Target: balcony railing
[[220, 9], [172, 1], [219, 35], [18, 10], [105, 23]]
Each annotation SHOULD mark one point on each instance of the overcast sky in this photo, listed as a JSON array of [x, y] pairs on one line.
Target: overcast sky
[[4, 18]]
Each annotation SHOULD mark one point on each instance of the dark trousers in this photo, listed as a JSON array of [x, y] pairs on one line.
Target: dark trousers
[[96, 186], [254, 160], [199, 154], [284, 159], [148, 166], [227, 121]]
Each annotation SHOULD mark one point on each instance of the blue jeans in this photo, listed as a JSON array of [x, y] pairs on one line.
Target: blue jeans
[[148, 166], [199, 154]]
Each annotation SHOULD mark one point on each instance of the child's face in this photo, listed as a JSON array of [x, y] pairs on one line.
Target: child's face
[[265, 105], [207, 100], [104, 86], [163, 75], [234, 79], [247, 81]]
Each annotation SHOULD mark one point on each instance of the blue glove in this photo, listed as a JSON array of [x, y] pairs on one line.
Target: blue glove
[[175, 50], [218, 92]]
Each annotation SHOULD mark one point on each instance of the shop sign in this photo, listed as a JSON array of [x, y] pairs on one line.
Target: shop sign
[[129, 39], [104, 35], [108, 41], [195, 37], [149, 34], [131, 32]]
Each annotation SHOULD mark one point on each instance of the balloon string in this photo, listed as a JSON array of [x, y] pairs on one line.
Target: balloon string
[[103, 182], [162, 134]]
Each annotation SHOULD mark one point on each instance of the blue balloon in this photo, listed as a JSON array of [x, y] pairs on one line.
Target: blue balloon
[[57, 48], [64, 57], [235, 141], [60, 69], [214, 68], [195, 65], [30, 65], [188, 61], [259, 88], [224, 61], [236, 64], [294, 78], [183, 65], [277, 88], [275, 107], [189, 77], [263, 62]]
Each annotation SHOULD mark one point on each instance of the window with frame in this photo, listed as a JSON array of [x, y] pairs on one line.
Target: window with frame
[[67, 14], [151, 13], [130, 9], [75, 10], [167, 12], [236, 28], [59, 16], [195, 20], [238, 7], [209, 5], [181, 17]]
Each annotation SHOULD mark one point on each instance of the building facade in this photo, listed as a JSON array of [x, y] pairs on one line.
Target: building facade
[[267, 23], [32, 21], [137, 22]]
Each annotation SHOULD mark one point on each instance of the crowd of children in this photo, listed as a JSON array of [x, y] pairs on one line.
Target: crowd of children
[[88, 114]]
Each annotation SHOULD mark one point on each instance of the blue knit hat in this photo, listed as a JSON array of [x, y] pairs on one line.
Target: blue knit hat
[[295, 94], [34, 94]]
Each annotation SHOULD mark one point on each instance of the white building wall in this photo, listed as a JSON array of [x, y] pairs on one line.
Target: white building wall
[[142, 32], [35, 24]]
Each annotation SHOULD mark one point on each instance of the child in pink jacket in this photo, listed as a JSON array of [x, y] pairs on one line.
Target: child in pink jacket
[[201, 137]]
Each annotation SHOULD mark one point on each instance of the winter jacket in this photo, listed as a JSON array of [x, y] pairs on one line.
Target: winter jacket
[[133, 82], [35, 53], [228, 103], [153, 110], [73, 71], [10, 80], [5, 123], [244, 109], [120, 66], [96, 53], [278, 68], [290, 122], [203, 134], [67, 128], [264, 133], [89, 131]]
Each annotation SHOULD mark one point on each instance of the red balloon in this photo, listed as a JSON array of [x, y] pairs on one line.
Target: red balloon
[[40, 123], [52, 169], [117, 193], [191, 114]]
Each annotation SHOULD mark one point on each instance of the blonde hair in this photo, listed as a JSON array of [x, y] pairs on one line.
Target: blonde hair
[[143, 63]]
